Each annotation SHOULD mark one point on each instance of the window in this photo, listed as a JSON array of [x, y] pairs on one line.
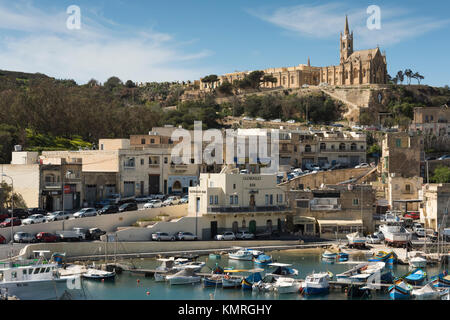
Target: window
[[234, 185], [304, 203], [342, 146], [323, 146], [152, 141], [129, 163], [211, 199], [236, 200], [142, 162], [307, 148], [142, 141], [216, 199], [271, 199], [280, 198], [353, 147], [355, 201], [408, 188], [267, 199], [192, 160], [231, 199], [149, 160], [165, 160], [398, 143], [101, 146]]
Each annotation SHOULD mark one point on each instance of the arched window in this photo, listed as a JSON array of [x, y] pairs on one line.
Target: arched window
[[284, 81], [244, 224], [342, 146], [323, 146], [292, 80], [176, 185], [353, 147], [332, 147], [307, 148]]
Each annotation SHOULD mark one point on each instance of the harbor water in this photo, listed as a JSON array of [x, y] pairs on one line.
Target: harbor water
[[133, 287]]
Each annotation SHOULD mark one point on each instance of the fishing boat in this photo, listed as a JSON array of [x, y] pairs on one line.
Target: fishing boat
[[364, 272], [231, 283], [387, 257], [418, 262], [317, 283], [195, 265], [329, 255], [400, 290], [256, 253], [282, 270], [96, 274], [255, 276], [395, 234], [441, 280], [263, 259], [429, 292], [213, 281], [287, 285], [342, 256], [164, 269], [241, 254], [356, 240], [415, 277], [37, 281], [185, 276]]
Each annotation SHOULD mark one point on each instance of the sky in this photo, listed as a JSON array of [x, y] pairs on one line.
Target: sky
[[148, 40]]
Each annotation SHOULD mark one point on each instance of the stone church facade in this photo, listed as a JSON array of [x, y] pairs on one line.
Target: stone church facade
[[355, 68]]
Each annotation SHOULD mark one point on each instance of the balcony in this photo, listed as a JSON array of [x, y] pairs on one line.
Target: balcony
[[246, 209], [52, 185], [342, 151], [328, 207]]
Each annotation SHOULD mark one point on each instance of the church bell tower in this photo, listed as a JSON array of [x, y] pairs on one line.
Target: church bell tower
[[346, 43]]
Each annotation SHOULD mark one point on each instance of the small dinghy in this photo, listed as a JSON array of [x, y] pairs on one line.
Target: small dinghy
[[418, 262], [95, 274], [441, 280], [287, 285], [329, 255], [429, 292], [265, 285], [263, 259], [416, 277]]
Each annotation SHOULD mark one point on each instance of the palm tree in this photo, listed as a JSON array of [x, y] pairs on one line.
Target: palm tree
[[418, 77], [408, 73], [400, 76]]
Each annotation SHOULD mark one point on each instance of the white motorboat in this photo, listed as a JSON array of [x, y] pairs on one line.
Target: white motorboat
[[417, 262], [242, 254], [282, 270], [164, 269], [256, 253], [317, 283], [265, 285], [364, 271], [287, 285], [429, 292], [95, 274], [395, 234], [195, 265], [185, 276], [38, 282]]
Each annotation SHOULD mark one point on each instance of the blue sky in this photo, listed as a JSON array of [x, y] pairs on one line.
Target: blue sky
[[185, 40]]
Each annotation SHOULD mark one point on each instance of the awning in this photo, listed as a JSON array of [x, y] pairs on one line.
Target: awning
[[303, 220], [340, 222]]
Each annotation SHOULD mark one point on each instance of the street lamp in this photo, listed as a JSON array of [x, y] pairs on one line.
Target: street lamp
[[12, 205]]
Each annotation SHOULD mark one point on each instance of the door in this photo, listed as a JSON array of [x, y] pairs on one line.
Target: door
[[252, 226], [235, 227], [252, 200], [153, 184], [213, 229]]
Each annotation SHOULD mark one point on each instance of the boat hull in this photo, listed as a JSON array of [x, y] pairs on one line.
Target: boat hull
[[182, 280], [231, 283], [212, 282], [397, 293], [42, 290], [294, 288], [247, 257], [440, 281], [315, 290]]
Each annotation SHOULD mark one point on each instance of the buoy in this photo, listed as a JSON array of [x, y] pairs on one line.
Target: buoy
[[148, 293], [138, 280]]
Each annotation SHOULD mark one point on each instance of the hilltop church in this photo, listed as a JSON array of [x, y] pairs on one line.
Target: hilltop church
[[355, 68]]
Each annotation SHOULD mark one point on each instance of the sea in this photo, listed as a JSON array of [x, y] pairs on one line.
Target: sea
[[133, 287]]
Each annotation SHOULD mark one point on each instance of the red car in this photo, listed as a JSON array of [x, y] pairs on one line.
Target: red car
[[7, 223], [4, 215], [47, 237], [413, 215], [2, 239]]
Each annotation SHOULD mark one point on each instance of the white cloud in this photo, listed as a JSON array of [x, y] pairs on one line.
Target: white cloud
[[40, 42], [326, 20]]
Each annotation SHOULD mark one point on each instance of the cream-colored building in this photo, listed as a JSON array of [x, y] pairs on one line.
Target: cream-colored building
[[236, 202], [436, 201]]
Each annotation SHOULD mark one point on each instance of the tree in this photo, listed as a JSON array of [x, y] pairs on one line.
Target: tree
[[441, 175], [225, 88], [255, 78], [268, 78], [7, 197], [401, 76], [130, 84], [418, 77], [112, 83], [409, 74], [93, 83], [210, 80]]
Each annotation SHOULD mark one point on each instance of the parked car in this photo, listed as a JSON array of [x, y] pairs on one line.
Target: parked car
[[185, 199], [57, 216], [260, 119], [32, 211], [94, 234], [373, 239], [245, 235], [247, 118], [312, 167], [172, 200], [446, 157], [47, 237], [291, 121], [18, 213], [157, 196], [4, 215], [85, 212], [412, 215], [153, 204], [2, 239], [82, 232], [143, 199], [7, 223], [24, 237], [69, 235], [362, 165], [276, 120], [35, 218], [420, 232], [185, 236], [131, 206], [110, 208], [244, 171], [162, 236], [226, 236]]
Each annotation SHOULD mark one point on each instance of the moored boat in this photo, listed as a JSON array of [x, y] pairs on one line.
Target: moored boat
[[400, 290], [317, 283], [418, 262], [263, 259], [415, 277], [185, 276], [395, 234], [287, 285], [389, 258], [95, 274], [255, 276], [356, 240], [441, 280], [282, 270], [429, 292], [364, 272], [342, 256], [329, 255], [242, 254], [213, 281]]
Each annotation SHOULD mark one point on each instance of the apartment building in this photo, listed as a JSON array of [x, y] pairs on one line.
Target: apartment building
[[436, 201], [231, 201], [434, 121]]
